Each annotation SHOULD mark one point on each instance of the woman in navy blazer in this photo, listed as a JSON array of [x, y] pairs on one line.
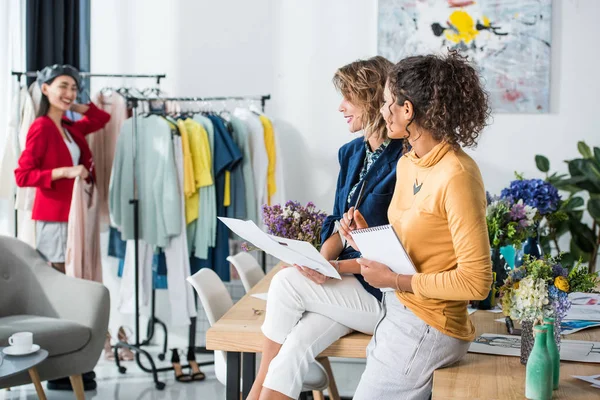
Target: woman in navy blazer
[[306, 312]]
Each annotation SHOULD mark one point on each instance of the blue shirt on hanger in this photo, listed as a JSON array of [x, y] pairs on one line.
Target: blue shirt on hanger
[[226, 156]]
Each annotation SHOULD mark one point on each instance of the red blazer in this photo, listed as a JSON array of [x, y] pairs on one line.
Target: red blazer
[[45, 150]]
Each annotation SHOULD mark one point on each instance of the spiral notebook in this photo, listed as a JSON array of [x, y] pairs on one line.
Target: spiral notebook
[[381, 244]]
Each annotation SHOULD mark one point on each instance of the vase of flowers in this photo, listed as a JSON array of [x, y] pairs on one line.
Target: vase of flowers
[[508, 223], [539, 289], [544, 198], [293, 221]]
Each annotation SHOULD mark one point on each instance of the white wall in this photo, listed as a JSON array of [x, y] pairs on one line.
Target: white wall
[[317, 37], [206, 48]]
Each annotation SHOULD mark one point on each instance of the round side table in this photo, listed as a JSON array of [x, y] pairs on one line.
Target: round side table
[[12, 365]]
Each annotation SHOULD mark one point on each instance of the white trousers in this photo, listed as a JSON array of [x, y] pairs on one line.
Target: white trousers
[[403, 354], [306, 318]]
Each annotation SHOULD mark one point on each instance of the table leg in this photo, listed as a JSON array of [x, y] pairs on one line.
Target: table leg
[[248, 372], [35, 378], [232, 388]]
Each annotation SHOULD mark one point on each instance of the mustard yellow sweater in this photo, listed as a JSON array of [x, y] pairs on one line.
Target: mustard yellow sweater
[[438, 211]]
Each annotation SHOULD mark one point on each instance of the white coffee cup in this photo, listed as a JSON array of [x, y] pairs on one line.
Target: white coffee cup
[[21, 341]]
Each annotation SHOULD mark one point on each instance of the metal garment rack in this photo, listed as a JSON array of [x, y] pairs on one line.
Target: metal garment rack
[[133, 102]]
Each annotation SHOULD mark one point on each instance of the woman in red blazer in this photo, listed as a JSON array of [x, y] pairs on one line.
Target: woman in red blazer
[[55, 153]]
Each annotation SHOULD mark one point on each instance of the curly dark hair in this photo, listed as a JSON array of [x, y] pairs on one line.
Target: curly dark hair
[[447, 96], [363, 82]]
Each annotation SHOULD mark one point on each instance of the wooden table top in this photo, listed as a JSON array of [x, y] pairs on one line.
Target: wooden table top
[[477, 376], [491, 377]]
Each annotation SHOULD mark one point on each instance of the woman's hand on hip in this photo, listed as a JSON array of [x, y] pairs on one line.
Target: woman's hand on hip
[[351, 221], [377, 274], [311, 274]]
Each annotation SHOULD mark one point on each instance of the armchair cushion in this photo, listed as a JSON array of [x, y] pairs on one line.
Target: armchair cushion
[[57, 336]]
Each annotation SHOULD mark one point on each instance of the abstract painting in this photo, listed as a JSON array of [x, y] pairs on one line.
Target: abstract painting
[[509, 41]]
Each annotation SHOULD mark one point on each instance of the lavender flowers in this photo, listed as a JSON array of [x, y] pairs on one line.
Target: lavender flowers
[[294, 221]]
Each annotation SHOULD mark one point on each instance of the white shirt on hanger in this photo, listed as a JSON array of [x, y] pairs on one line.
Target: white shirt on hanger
[[258, 153]]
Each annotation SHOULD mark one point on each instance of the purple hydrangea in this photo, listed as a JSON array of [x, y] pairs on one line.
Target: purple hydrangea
[[559, 270], [535, 193], [560, 302]]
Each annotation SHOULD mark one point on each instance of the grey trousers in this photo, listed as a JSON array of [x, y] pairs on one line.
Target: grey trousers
[[403, 354]]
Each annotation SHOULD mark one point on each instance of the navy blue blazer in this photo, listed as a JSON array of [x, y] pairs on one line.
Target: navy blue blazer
[[377, 194]]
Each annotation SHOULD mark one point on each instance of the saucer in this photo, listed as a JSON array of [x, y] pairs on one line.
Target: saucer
[[11, 351]]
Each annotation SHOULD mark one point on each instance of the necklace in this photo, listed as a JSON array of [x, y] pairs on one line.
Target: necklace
[[418, 185]]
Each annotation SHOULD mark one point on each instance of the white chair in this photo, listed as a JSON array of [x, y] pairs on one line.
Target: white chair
[[248, 269], [216, 302]]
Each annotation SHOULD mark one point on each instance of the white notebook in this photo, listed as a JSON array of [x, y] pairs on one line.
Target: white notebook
[[381, 244]]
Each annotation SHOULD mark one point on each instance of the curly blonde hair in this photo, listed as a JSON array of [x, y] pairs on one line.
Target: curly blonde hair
[[362, 83]]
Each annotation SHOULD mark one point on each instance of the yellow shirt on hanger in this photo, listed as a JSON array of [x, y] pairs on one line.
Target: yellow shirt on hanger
[[227, 196], [271, 155], [200, 149], [192, 197]]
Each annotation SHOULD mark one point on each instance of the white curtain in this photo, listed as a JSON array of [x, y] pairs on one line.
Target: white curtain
[[12, 58]]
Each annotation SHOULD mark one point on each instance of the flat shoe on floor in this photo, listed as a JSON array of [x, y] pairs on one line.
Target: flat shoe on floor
[[60, 384]]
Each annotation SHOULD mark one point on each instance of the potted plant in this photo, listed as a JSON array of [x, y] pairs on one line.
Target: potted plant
[[576, 214]]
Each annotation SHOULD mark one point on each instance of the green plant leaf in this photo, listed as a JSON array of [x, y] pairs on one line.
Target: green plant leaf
[[587, 174], [573, 203], [575, 215], [577, 253], [568, 259], [584, 149], [542, 163], [583, 236], [597, 154], [594, 209], [575, 167]]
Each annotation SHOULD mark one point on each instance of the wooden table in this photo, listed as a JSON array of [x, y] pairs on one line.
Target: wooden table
[[477, 376], [491, 377]]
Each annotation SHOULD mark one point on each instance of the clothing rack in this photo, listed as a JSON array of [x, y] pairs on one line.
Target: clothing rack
[[133, 102]]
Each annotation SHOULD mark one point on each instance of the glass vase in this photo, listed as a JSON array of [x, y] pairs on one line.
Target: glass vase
[[499, 267], [532, 247], [553, 352], [527, 340], [538, 375]]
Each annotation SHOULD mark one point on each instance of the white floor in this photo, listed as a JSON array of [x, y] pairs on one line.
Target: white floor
[[133, 385]]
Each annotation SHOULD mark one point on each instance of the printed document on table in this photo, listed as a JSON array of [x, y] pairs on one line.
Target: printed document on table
[[287, 250]]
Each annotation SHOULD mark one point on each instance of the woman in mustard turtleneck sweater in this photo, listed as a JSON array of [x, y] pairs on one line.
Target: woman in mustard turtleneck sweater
[[438, 212]]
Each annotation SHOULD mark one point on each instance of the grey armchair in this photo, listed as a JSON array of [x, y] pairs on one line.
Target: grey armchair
[[68, 316]]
